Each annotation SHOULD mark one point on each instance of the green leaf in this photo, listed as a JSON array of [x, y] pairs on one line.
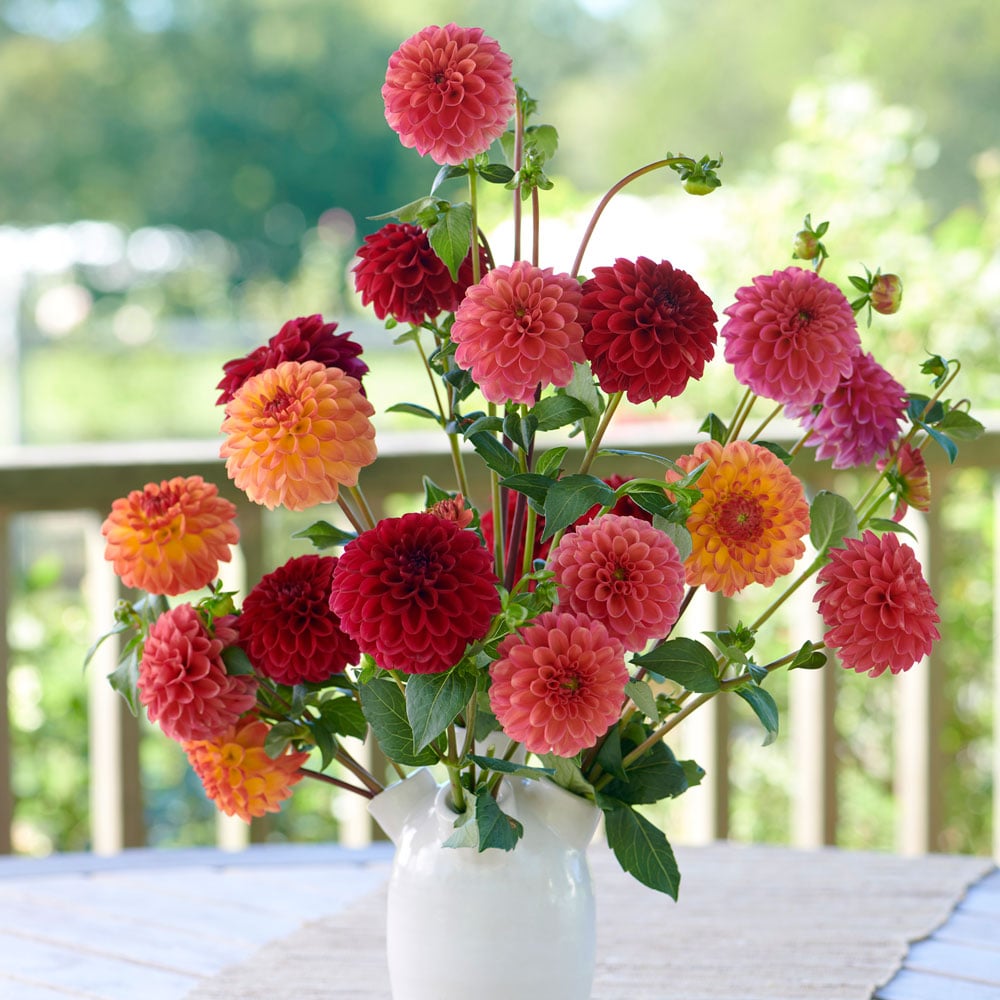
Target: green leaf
[[502, 766], [531, 484], [960, 425], [433, 493], [693, 772], [831, 520], [415, 410], [125, 678], [884, 524], [343, 715], [641, 848], [764, 707], [654, 776], [451, 237], [652, 456], [641, 693], [325, 742], [570, 498], [496, 828], [775, 449], [558, 411], [496, 173], [716, 429], [237, 662], [433, 701], [685, 661], [324, 535], [808, 658], [384, 706], [466, 832], [543, 138], [677, 533], [520, 430], [408, 212], [550, 462], [447, 172], [610, 754], [567, 774], [500, 459], [278, 737]]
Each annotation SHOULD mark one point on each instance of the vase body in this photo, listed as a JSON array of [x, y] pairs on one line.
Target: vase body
[[496, 925]]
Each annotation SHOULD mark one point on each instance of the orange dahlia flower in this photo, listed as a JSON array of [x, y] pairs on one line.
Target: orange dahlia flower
[[238, 774], [747, 526], [168, 538], [296, 433]]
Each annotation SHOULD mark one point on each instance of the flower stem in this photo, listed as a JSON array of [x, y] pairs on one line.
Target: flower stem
[[595, 444], [362, 502], [330, 780]]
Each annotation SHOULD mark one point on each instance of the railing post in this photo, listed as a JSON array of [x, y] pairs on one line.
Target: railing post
[[996, 667], [6, 789]]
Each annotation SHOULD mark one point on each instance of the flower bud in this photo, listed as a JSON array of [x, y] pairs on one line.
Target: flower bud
[[700, 184], [887, 293], [806, 245]]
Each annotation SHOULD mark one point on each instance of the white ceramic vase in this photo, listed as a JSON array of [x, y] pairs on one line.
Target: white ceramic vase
[[496, 925]]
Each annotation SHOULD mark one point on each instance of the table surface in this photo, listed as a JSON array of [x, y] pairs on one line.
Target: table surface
[[305, 922]]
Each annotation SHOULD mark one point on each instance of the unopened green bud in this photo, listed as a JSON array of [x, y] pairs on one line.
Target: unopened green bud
[[887, 293], [806, 246], [701, 184]]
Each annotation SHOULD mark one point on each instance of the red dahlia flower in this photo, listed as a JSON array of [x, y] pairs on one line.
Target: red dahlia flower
[[649, 328], [558, 683], [182, 680], [791, 336], [877, 607], [399, 275], [414, 591], [910, 480], [307, 338], [449, 92], [287, 628]]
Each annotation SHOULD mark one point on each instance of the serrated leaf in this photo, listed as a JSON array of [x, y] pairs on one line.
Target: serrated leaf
[[496, 829], [654, 776], [466, 831], [384, 706], [557, 411], [641, 848], [278, 737], [570, 498], [643, 697], [544, 138], [408, 212], [567, 774], [236, 661], [961, 425], [500, 459], [451, 237], [125, 680], [550, 462], [531, 484], [765, 709], [511, 767], [433, 701], [496, 173], [831, 520], [610, 754], [343, 716], [949, 446], [685, 661], [677, 533], [324, 535], [693, 772]]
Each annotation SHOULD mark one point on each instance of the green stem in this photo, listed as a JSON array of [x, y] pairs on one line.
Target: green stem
[[595, 444], [366, 511], [743, 409]]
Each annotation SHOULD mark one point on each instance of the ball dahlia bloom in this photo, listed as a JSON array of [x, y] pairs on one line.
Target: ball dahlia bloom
[[307, 338], [624, 573], [238, 774], [858, 420], [414, 591], [878, 609], [649, 328], [296, 433], [287, 628], [748, 524], [791, 336], [910, 480], [183, 682], [558, 683], [399, 275], [518, 329], [449, 92], [169, 538]]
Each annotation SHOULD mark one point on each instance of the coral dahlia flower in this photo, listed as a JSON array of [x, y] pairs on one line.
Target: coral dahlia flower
[[558, 683], [910, 480], [748, 524], [238, 774], [649, 328], [399, 275], [287, 628], [296, 433], [791, 336], [182, 680], [624, 573], [169, 538], [878, 609], [518, 329], [449, 92], [414, 591], [307, 338]]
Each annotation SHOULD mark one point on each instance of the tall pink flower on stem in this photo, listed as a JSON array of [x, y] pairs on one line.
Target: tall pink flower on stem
[[877, 607], [518, 329], [183, 682], [558, 683], [649, 328], [449, 92], [791, 336], [168, 538]]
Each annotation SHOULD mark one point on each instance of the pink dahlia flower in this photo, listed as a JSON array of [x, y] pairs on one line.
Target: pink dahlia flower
[[287, 628], [449, 92], [518, 329], [858, 420], [877, 607], [791, 336], [182, 680], [649, 328], [307, 338], [624, 573], [910, 479], [414, 591], [399, 275], [558, 683]]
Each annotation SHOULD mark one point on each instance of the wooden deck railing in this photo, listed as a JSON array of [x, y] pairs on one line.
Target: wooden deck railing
[[89, 477]]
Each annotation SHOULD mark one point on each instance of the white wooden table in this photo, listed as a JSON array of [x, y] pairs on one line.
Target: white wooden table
[[305, 922]]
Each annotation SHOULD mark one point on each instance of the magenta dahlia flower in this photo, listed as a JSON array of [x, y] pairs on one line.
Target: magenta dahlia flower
[[860, 419], [791, 336], [287, 628], [449, 92], [518, 329], [624, 573], [877, 607], [307, 338], [414, 591], [558, 683], [399, 275], [182, 680], [649, 328]]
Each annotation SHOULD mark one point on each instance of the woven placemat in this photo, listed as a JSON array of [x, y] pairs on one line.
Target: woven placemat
[[753, 923]]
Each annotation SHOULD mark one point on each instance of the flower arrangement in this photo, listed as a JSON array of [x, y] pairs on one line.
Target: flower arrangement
[[534, 631]]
